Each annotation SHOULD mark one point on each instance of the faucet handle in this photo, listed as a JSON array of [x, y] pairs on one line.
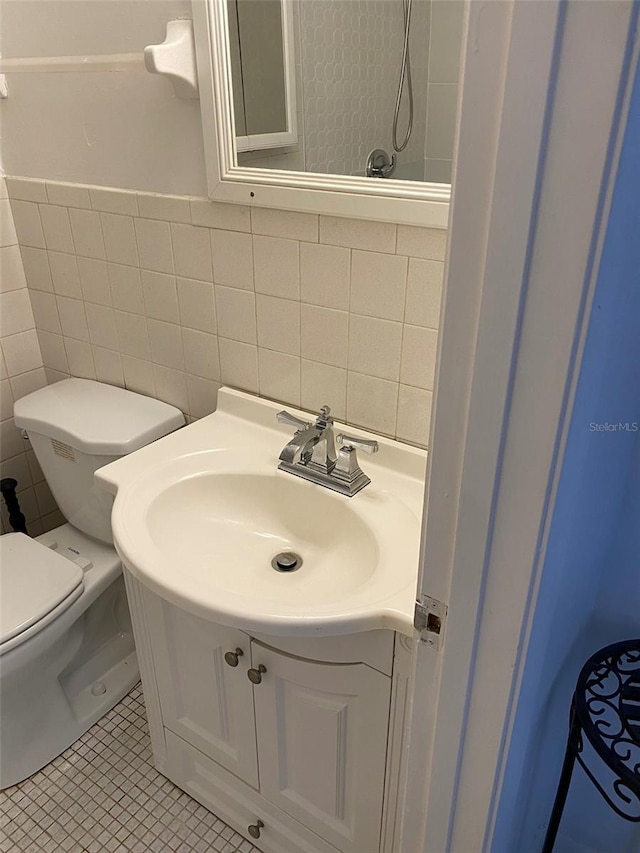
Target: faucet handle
[[366, 444], [285, 417], [324, 418]]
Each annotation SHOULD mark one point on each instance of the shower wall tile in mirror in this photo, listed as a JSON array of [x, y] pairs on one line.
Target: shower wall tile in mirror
[[350, 53], [348, 57], [173, 296]]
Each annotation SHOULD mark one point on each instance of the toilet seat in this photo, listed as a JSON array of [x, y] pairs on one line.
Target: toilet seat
[[36, 585]]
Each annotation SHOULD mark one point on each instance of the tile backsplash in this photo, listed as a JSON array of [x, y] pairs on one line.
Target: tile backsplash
[[173, 296], [21, 371]]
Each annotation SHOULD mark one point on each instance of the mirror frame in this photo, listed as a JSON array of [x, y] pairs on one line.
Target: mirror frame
[[277, 139], [402, 202]]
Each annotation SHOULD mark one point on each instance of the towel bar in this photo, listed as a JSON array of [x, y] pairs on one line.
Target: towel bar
[[174, 58]]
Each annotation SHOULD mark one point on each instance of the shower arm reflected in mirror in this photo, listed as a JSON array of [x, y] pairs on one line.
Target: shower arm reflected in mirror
[[378, 163]]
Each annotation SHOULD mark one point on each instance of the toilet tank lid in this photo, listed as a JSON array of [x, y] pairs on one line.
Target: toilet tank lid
[[96, 418], [34, 580]]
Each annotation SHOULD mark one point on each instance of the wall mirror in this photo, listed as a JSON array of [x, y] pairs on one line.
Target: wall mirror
[[345, 107]]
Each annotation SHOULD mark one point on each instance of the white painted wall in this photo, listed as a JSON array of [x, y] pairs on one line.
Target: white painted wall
[[112, 129]]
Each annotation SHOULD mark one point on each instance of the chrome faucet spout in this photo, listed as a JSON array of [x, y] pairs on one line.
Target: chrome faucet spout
[[300, 446], [311, 453]]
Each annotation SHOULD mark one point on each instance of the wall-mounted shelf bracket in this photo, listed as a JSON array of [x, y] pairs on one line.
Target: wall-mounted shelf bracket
[[175, 58]]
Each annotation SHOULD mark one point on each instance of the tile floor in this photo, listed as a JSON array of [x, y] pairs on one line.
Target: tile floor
[[104, 795]]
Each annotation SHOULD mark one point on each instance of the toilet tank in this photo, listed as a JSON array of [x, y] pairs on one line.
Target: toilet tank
[[76, 426]]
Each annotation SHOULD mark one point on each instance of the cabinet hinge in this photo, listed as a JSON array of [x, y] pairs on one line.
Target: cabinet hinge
[[429, 618]]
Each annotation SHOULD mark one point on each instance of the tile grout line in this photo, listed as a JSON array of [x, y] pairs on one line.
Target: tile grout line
[[103, 794]]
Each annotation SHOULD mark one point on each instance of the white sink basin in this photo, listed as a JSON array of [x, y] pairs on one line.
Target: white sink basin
[[245, 520], [201, 514]]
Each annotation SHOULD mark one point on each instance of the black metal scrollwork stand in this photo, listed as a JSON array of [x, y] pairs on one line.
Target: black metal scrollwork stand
[[605, 710]]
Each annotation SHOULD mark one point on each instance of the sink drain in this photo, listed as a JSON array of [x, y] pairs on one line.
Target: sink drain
[[286, 561]]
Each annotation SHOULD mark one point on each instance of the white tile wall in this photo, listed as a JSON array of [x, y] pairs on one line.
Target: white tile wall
[[196, 303], [284, 223], [120, 238], [36, 268], [57, 228], [26, 218], [279, 375], [375, 346], [324, 334], [173, 296], [166, 207], [276, 264], [65, 275], [69, 195], [87, 233], [160, 296], [321, 382], [213, 214], [236, 310], [325, 275], [232, 253], [21, 362], [378, 284], [192, 251], [278, 324]]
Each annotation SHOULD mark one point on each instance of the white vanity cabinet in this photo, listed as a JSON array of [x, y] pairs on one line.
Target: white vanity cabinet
[[299, 759], [203, 700], [322, 742]]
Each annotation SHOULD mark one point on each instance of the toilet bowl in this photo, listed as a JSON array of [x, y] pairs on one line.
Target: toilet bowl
[[67, 653]]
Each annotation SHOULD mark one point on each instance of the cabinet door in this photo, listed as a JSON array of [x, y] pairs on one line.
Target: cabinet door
[[203, 699], [322, 739]]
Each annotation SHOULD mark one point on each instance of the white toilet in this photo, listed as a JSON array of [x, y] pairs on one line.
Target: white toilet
[[66, 646]]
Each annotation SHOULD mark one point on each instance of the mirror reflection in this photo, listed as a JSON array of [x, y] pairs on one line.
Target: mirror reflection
[[346, 87]]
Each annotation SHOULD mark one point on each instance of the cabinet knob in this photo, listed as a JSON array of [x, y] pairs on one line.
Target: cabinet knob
[[232, 657], [254, 829], [255, 675]]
